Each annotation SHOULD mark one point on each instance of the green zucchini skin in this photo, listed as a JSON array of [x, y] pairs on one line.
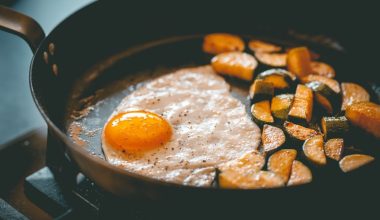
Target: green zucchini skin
[[335, 127], [281, 112], [288, 77], [260, 91], [334, 98]]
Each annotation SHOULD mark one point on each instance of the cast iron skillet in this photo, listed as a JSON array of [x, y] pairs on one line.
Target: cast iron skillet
[[97, 55]]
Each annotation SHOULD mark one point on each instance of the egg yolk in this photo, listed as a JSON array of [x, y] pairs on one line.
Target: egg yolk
[[137, 131]]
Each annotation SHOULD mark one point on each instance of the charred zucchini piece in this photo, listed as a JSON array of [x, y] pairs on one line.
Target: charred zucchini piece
[[322, 69], [334, 148], [314, 151], [299, 132], [353, 93], [272, 138], [300, 174], [258, 180], [261, 46], [333, 84], [272, 59], [365, 115], [237, 64], [261, 90], [325, 96], [299, 61], [281, 79], [335, 127], [221, 42], [280, 105], [354, 161], [281, 163], [261, 112], [302, 107]]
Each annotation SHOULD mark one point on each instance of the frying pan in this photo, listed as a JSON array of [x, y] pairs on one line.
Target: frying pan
[[96, 56]]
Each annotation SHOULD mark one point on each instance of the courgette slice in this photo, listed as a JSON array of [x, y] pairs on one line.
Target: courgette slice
[[334, 148], [261, 46], [353, 93], [280, 78], [322, 69], [249, 163], [354, 161], [335, 127], [281, 163], [261, 90], [365, 115], [272, 138], [258, 180], [221, 42], [302, 107], [237, 64], [261, 112], [299, 132], [333, 84], [300, 174], [325, 96], [272, 59], [314, 151], [299, 61], [280, 106]]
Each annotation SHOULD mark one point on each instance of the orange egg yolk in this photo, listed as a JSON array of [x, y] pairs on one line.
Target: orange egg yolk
[[137, 131]]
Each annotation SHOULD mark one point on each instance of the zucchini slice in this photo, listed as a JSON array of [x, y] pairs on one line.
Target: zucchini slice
[[333, 84], [322, 69], [221, 42], [335, 127], [300, 174], [272, 59], [261, 112], [280, 78], [365, 115], [280, 106], [314, 151], [261, 46], [353, 93], [299, 61], [249, 163], [272, 138], [261, 90], [302, 107], [281, 163], [237, 64], [299, 132], [258, 180], [325, 96], [334, 148], [354, 161]]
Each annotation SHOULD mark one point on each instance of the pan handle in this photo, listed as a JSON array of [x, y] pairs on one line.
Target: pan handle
[[21, 25]]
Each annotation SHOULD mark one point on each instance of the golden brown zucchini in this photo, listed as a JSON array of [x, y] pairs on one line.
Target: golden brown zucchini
[[302, 107], [261, 112], [300, 174], [365, 115], [325, 96], [281, 163], [313, 150], [261, 90], [335, 127], [353, 93], [334, 148], [258, 180], [281, 79], [322, 69], [249, 163], [333, 84], [280, 106], [299, 132], [221, 42], [272, 138], [264, 47], [299, 61], [237, 64], [354, 161], [272, 59]]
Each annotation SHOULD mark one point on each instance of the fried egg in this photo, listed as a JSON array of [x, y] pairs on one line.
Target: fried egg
[[179, 127]]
